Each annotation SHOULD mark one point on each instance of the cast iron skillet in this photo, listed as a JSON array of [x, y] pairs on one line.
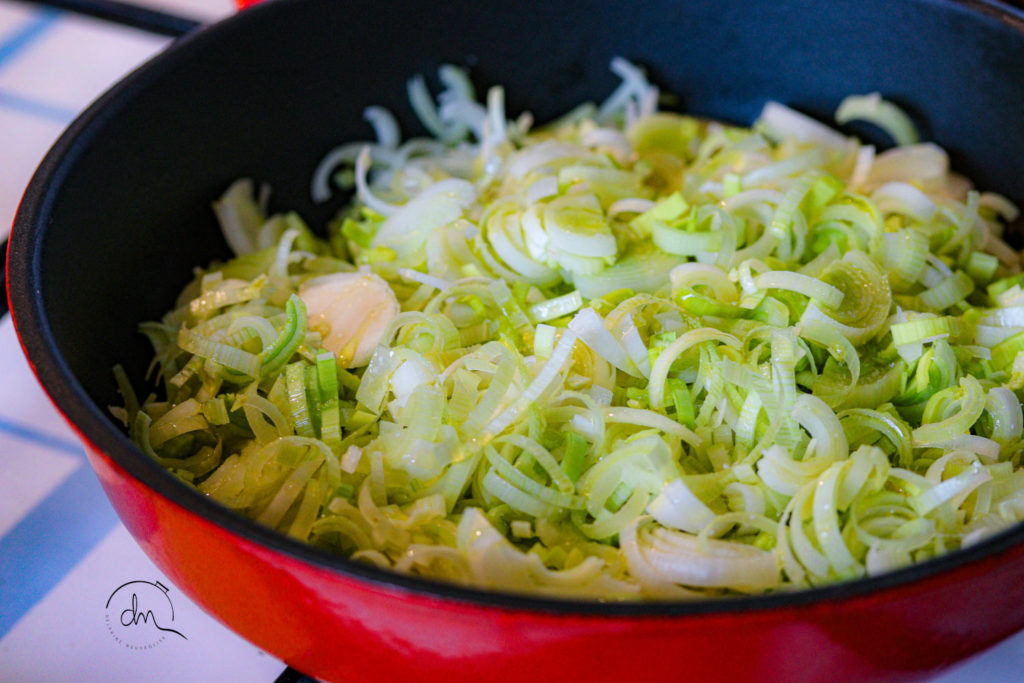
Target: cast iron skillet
[[118, 214]]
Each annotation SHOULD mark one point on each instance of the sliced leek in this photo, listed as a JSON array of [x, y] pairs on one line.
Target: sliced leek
[[630, 354]]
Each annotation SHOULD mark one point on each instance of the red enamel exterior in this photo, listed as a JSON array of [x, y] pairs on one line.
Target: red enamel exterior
[[341, 629]]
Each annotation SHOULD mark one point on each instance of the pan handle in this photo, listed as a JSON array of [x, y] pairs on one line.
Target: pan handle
[[127, 14]]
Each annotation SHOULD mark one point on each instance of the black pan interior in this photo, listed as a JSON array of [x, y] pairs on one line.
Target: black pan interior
[[118, 214]]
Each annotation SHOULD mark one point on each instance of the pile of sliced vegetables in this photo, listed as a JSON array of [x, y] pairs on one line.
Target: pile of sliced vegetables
[[626, 354]]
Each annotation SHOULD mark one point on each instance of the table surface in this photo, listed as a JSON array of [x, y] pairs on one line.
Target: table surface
[[63, 552]]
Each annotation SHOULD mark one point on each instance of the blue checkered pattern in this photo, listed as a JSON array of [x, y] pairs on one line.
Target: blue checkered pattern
[[62, 549]]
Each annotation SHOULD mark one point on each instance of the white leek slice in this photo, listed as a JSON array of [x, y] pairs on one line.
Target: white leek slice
[[407, 227], [576, 225], [352, 311]]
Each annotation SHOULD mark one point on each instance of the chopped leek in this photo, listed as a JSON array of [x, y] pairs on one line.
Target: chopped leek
[[629, 354]]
